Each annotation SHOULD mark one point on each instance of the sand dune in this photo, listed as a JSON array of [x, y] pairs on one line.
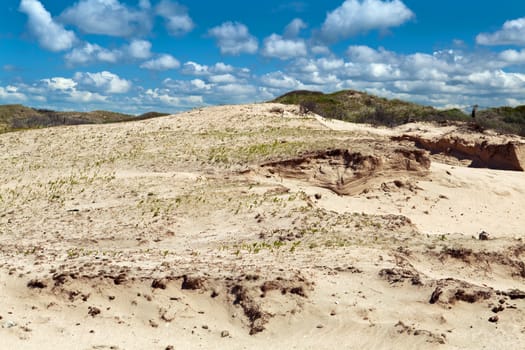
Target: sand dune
[[254, 226]]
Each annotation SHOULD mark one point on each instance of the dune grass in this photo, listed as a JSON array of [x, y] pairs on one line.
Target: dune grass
[[19, 117]]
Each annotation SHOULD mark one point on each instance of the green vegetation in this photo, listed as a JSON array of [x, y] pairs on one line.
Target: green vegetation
[[360, 107], [18, 117], [503, 119]]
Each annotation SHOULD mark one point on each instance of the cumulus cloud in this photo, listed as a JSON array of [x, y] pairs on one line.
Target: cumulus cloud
[[200, 84], [320, 50], [178, 22], [440, 78], [139, 49], [293, 29], [513, 56], [91, 53], [385, 65], [363, 53], [188, 87], [51, 35], [108, 17], [162, 62], [85, 97], [234, 38], [281, 81], [288, 45], [60, 83], [223, 78], [194, 68], [66, 89], [218, 84], [11, 93], [106, 81], [221, 67], [498, 79], [512, 33], [238, 90], [282, 48], [169, 98], [359, 16]]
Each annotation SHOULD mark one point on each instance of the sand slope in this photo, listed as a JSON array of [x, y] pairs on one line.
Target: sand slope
[[240, 227]]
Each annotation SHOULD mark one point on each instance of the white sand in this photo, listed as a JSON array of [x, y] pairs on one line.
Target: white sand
[[112, 208]]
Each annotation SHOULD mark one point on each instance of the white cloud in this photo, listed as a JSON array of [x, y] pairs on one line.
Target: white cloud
[[214, 86], [178, 22], [330, 64], [60, 83], [194, 68], [188, 87], [281, 81], [85, 97], [66, 89], [200, 84], [162, 62], [223, 78], [369, 63], [234, 38], [446, 77], [288, 45], [51, 35], [90, 53], [320, 50], [166, 97], [498, 79], [108, 17], [139, 49], [238, 91], [107, 81], [362, 53], [513, 56], [512, 33], [221, 67], [359, 16], [11, 93], [293, 29], [322, 65], [219, 83], [383, 72], [279, 47]]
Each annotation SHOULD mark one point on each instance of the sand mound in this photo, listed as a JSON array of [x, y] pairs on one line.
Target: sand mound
[[346, 172], [232, 227]]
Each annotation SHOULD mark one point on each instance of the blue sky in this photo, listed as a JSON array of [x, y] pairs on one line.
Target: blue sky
[[139, 55]]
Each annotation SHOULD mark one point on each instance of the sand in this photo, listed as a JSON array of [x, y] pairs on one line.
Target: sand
[[240, 227]]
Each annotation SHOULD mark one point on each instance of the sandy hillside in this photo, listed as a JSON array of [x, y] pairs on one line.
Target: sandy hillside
[[256, 227]]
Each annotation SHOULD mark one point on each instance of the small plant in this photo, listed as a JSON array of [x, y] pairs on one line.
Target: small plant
[[294, 246]]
